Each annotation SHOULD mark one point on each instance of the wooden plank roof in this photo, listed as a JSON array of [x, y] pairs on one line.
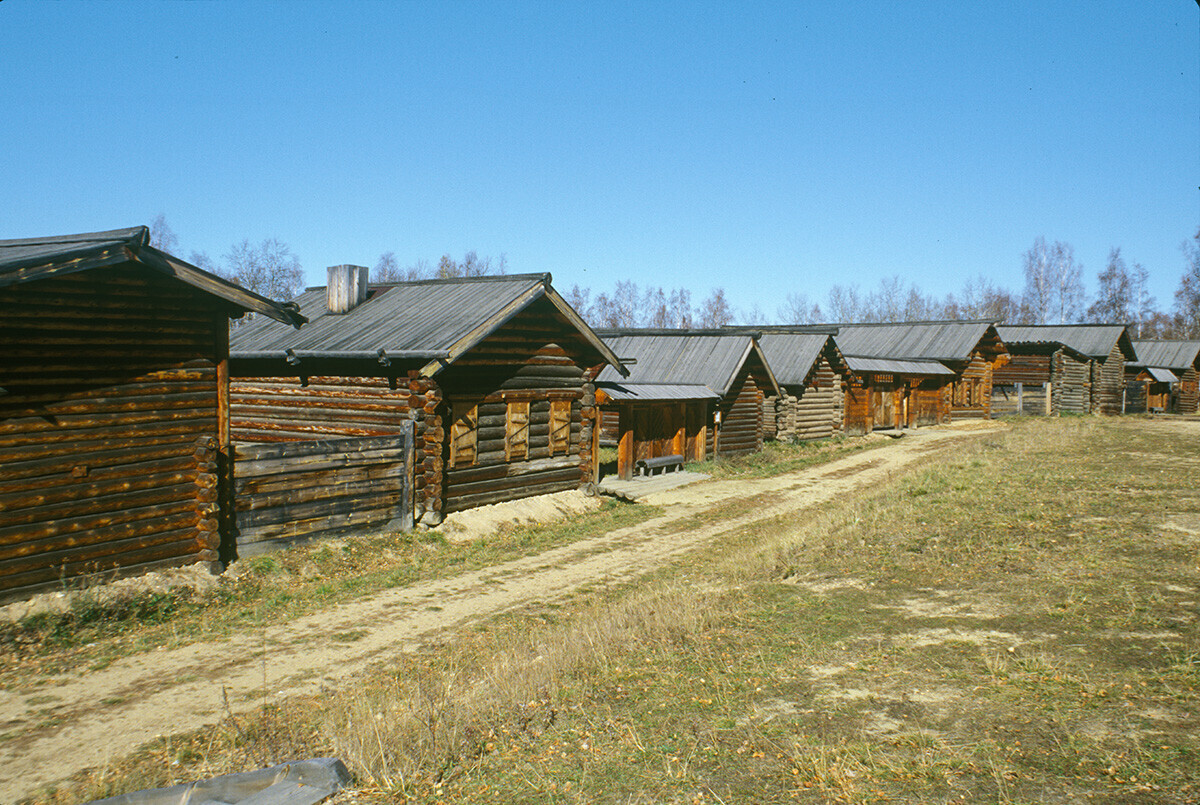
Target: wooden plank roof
[[1167, 354], [30, 259], [952, 341], [431, 322], [1092, 340], [888, 366], [709, 358], [793, 355]]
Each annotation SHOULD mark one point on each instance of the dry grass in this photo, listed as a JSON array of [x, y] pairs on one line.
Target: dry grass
[[1012, 624]]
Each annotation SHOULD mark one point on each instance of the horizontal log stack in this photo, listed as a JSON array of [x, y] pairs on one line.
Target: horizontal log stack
[[293, 491], [109, 425]]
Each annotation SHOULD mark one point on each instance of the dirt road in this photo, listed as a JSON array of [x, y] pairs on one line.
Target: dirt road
[[87, 719]]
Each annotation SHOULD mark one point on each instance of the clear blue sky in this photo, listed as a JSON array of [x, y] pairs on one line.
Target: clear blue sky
[[763, 147]]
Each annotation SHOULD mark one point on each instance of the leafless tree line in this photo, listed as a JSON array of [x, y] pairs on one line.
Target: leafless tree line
[[1053, 291]]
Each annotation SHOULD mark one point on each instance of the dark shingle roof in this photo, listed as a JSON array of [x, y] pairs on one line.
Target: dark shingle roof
[[936, 341], [1167, 354], [1093, 340], [682, 357], [427, 319], [30, 259]]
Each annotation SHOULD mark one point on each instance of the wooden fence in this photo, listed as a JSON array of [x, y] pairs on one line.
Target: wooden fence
[[286, 492]]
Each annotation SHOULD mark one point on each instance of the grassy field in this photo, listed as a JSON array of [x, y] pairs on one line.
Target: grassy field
[[1015, 623]]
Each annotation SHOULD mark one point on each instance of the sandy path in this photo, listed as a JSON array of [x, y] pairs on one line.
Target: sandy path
[[88, 718]]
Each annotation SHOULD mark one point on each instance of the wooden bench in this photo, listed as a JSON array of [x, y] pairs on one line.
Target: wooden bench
[[647, 466]]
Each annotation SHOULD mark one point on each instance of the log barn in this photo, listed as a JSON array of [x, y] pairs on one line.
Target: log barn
[[1080, 366], [114, 417], [811, 373], [918, 373], [692, 393], [1170, 371], [495, 372]]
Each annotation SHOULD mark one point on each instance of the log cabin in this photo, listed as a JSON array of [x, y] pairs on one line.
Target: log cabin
[[1170, 372], [1081, 366], [693, 393], [914, 374], [114, 415], [812, 374], [496, 373]]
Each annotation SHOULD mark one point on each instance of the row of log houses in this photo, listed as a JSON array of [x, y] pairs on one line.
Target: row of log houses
[[123, 403], [1064, 369]]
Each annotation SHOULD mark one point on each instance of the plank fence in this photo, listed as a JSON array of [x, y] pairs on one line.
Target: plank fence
[[288, 492]]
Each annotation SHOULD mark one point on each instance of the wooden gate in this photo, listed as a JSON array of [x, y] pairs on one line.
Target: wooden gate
[[286, 492]]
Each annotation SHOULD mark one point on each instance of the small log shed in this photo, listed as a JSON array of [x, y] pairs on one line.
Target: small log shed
[[918, 373], [495, 371], [113, 406], [1182, 360], [694, 393], [812, 374], [1084, 364]]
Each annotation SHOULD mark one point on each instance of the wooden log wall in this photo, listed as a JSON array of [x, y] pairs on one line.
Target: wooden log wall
[[1188, 392], [1108, 383], [282, 409], [1071, 385], [741, 429], [108, 427], [810, 412], [1024, 368], [535, 358], [295, 491], [973, 390], [610, 428]]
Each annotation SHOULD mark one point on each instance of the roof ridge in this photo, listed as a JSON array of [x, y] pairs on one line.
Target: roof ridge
[[541, 276]]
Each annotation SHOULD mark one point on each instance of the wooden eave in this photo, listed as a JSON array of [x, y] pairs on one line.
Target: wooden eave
[[753, 349], [507, 312]]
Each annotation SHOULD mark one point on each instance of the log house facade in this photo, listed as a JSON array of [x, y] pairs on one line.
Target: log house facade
[[495, 373], [113, 407], [693, 393]]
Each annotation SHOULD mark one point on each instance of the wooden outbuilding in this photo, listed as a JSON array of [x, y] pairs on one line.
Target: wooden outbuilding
[[914, 374], [1080, 366], [692, 393], [114, 407], [1167, 374], [495, 372], [812, 376]]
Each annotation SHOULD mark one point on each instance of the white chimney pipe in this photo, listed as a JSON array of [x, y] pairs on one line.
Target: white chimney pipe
[[347, 288]]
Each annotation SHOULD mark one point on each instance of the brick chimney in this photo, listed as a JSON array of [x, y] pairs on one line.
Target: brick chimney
[[347, 288]]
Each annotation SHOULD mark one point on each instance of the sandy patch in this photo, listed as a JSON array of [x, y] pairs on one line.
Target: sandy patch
[[943, 606], [479, 522], [824, 586]]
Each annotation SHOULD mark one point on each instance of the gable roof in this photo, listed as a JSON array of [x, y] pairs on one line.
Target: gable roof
[[1167, 354], [1093, 340], [30, 259], [432, 322], [701, 359], [1159, 374], [918, 341], [793, 355]]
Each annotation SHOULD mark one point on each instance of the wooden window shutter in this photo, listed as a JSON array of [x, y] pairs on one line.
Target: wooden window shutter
[[516, 431], [560, 427], [464, 435]]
